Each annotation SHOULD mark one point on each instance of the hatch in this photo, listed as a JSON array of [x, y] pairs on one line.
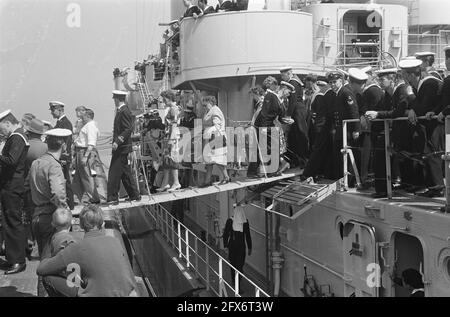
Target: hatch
[[361, 269]]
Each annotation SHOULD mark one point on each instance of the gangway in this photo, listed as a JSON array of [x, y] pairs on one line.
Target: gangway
[[155, 199]]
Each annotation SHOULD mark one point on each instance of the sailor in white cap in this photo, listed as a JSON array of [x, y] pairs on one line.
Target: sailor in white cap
[[48, 186], [378, 103], [298, 138], [62, 122], [119, 168], [427, 103], [345, 107], [446, 88], [12, 177], [320, 131]]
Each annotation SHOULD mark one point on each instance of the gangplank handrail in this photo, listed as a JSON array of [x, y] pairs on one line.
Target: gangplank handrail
[[388, 152], [172, 230]]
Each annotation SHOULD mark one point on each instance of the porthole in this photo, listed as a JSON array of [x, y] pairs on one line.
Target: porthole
[[447, 267], [444, 263], [339, 225]]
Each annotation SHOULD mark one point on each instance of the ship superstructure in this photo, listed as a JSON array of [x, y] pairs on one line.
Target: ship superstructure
[[309, 240]]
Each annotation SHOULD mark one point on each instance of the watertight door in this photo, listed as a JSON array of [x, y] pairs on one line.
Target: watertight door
[[361, 270]]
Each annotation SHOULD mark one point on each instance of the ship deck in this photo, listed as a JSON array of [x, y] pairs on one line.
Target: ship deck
[[404, 199]]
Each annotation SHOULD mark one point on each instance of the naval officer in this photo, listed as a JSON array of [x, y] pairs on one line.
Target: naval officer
[[345, 107], [62, 122], [12, 178], [119, 168]]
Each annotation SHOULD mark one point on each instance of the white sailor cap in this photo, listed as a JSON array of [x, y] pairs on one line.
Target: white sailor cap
[[357, 74], [387, 71], [367, 69], [59, 133], [4, 114], [288, 85], [409, 63], [119, 93], [56, 104], [343, 72], [447, 48], [424, 54], [285, 69]]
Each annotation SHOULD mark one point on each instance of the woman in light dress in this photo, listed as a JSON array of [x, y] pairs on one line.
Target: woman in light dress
[[171, 156], [215, 149]]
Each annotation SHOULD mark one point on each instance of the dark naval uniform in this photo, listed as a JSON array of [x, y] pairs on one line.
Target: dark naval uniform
[[226, 6], [319, 162], [209, 10], [191, 11], [428, 99], [298, 139], [345, 107], [66, 158], [271, 109], [446, 96], [401, 131], [373, 99], [119, 168], [12, 178]]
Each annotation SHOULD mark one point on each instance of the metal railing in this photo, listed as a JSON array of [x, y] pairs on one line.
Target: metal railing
[[208, 265], [388, 152]]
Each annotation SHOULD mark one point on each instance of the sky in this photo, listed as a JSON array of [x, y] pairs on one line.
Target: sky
[[67, 51]]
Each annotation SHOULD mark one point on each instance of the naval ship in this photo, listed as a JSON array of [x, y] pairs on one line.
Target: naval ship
[[309, 239], [315, 240]]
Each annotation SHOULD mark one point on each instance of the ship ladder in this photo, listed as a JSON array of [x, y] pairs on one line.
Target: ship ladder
[[143, 91]]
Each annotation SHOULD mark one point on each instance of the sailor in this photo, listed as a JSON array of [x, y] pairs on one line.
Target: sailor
[[237, 238], [446, 88], [225, 6], [12, 177], [207, 9], [298, 140], [372, 99], [427, 102], [270, 111], [320, 136], [394, 104], [345, 107], [119, 168], [191, 10], [47, 184], [62, 122], [428, 59]]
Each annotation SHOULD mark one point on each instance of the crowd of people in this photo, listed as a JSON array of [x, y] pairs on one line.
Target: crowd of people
[[42, 168]]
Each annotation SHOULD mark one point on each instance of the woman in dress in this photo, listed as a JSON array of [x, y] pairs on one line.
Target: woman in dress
[[171, 157], [215, 150]]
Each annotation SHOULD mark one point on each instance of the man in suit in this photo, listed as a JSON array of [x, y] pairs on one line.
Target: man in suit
[[12, 178], [62, 122], [119, 168]]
